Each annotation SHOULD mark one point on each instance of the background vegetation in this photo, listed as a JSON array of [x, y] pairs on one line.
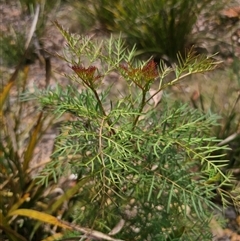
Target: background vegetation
[[161, 32]]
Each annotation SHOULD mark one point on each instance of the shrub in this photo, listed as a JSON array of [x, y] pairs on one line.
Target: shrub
[[159, 27], [145, 165], [90, 13]]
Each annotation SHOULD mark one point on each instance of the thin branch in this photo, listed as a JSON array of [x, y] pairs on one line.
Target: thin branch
[[89, 232], [33, 27]]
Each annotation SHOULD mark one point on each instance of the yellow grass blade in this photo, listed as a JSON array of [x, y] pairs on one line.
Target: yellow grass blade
[[4, 95], [54, 237], [67, 195], [8, 87], [43, 217], [19, 202], [32, 143]]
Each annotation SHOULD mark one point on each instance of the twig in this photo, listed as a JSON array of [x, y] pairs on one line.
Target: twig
[[89, 232], [228, 139], [33, 27]]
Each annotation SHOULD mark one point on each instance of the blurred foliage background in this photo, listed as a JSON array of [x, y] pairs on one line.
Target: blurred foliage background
[[159, 28]]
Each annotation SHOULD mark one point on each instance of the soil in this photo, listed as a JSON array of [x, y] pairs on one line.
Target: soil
[[223, 30]]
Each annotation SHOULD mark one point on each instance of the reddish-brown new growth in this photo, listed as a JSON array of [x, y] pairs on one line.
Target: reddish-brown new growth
[[141, 75], [86, 74]]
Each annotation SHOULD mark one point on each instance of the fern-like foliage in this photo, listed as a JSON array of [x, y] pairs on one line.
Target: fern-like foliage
[[152, 165]]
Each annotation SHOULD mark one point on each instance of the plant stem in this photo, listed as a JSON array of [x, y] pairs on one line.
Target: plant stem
[[144, 92], [102, 109]]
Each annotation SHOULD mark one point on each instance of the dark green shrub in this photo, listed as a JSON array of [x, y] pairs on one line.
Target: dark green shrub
[[158, 27]]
